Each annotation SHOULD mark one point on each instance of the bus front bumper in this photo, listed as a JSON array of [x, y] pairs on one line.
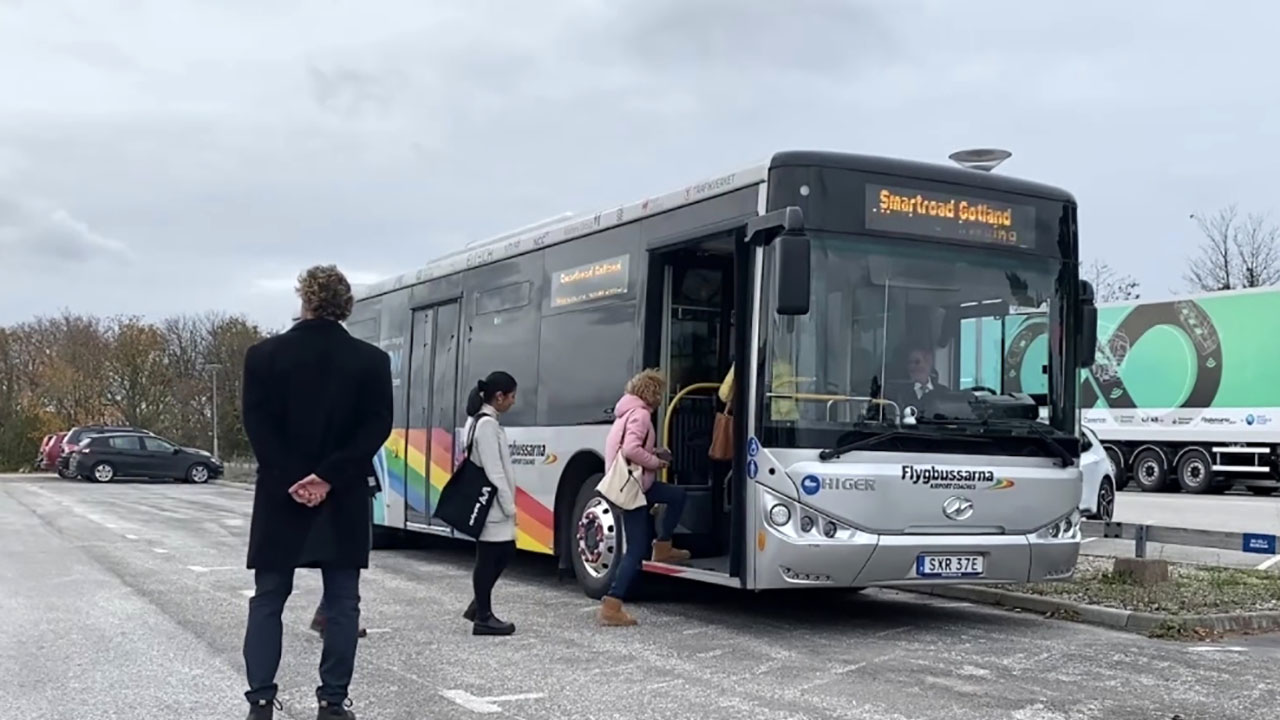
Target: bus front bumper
[[861, 559]]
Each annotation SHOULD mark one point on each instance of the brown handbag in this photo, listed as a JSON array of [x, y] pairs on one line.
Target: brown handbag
[[722, 434]]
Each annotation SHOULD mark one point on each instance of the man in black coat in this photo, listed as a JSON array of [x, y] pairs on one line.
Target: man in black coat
[[317, 407]]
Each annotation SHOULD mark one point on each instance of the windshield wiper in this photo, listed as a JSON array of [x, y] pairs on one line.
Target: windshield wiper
[[837, 451], [1034, 426]]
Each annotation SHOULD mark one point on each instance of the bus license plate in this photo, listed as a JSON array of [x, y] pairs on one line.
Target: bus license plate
[[950, 565]]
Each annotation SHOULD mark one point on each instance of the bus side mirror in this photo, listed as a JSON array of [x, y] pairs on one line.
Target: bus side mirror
[[1088, 329], [793, 277]]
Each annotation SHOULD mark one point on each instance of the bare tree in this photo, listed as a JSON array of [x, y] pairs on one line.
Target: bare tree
[[1236, 252], [1109, 285]]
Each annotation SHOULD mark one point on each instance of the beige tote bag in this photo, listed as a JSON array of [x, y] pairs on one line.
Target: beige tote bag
[[621, 484]]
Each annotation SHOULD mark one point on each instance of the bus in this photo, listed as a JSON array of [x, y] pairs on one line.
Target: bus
[[843, 291]]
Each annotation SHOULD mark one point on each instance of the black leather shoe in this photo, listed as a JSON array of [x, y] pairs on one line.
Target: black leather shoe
[[264, 709], [492, 626], [335, 712]]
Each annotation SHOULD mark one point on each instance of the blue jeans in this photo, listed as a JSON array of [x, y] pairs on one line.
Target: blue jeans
[[264, 634], [636, 527]]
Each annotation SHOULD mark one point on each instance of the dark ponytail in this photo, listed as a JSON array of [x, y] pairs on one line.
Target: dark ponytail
[[486, 389]]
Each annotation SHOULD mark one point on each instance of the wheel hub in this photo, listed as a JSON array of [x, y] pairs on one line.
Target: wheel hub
[[597, 537]]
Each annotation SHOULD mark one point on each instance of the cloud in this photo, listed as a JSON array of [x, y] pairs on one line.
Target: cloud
[[40, 231], [283, 283]]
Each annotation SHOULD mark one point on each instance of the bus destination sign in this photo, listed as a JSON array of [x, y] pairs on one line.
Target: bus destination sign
[[944, 215], [590, 282]]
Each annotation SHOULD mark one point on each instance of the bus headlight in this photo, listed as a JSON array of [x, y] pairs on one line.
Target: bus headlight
[[806, 523], [1065, 528], [829, 529], [780, 515]]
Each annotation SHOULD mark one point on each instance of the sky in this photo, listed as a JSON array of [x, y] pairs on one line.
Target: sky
[[168, 156]]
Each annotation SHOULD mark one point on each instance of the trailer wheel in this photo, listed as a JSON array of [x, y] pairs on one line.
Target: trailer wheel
[[1195, 471], [1150, 471]]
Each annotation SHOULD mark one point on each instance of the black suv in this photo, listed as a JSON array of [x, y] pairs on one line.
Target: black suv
[[104, 457], [77, 435]]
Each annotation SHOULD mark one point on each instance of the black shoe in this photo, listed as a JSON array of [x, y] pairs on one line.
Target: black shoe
[[264, 709], [335, 712], [470, 613], [492, 626]]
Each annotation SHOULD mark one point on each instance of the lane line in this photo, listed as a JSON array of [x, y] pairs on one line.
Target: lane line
[[1266, 564], [511, 698], [131, 537], [160, 551], [470, 702], [201, 569]]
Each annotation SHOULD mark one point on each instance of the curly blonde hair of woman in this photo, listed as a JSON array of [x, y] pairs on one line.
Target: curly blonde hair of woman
[[325, 292], [648, 385]]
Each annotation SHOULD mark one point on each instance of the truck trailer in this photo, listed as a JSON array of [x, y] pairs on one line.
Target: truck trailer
[[1181, 394]]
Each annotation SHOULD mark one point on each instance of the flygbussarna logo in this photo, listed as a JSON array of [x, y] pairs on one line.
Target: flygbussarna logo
[[954, 478]]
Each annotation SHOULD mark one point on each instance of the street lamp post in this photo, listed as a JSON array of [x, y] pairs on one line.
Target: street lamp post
[[213, 369]]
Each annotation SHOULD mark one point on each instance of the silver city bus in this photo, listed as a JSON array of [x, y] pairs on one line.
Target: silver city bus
[[842, 293]]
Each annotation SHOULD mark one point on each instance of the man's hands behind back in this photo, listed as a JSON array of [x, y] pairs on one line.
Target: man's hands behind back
[[310, 490]]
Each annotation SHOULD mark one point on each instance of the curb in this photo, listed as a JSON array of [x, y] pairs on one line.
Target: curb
[[1128, 620]]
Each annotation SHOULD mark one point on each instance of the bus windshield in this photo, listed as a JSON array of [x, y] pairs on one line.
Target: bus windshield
[[933, 327]]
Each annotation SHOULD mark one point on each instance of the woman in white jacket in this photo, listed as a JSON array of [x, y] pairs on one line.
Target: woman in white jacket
[[496, 546]]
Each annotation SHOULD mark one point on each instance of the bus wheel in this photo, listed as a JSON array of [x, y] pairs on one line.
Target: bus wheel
[[1195, 473], [596, 545], [1150, 472]]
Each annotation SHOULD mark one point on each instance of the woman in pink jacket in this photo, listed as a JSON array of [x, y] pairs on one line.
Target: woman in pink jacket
[[633, 432]]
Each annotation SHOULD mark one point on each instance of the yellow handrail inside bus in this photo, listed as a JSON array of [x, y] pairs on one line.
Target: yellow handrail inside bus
[[671, 408]]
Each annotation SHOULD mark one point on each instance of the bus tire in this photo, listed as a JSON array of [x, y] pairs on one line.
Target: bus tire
[[1150, 472], [595, 542], [1195, 471]]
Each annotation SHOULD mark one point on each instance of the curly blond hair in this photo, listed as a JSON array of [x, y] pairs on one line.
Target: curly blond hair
[[648, 385], [325, 292]]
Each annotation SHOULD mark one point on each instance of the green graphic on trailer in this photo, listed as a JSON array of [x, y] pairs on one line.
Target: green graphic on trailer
[[1208, 352]]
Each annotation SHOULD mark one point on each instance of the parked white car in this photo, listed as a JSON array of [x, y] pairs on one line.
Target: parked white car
[[1098, 496]]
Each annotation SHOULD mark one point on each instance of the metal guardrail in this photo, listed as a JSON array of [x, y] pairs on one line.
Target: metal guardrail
[[1141, 534]]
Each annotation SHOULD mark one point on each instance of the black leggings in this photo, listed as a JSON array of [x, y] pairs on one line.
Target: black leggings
[[491, 559]]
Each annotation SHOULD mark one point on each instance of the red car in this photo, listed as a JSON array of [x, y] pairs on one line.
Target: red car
[[50, 450]]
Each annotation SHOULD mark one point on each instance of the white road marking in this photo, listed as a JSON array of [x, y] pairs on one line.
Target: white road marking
[[952, 604], [848, 668], [161, 551], [485, 705], [1216, 648], [371, 631], [512, 698], [470, 702], [247, 593], [131, 537], [1266, 564], [200, 569], [1088, 540]]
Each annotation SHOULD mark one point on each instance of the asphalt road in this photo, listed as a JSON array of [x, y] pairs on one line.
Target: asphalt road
[[128, 600]]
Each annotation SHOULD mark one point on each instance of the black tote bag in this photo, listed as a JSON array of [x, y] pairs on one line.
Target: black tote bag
[[466, 499]]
